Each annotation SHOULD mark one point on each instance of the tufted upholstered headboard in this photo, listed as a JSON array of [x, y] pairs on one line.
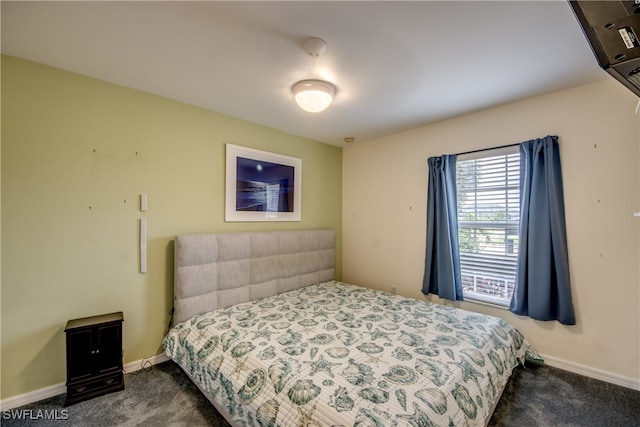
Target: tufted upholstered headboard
[[218, 270]]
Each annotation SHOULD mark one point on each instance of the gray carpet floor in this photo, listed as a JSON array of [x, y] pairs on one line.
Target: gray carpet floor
[[164, 396]]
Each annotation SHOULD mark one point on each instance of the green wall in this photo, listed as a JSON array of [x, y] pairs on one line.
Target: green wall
[[76, 154]]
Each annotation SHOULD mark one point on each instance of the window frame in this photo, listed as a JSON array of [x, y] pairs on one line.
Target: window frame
[[507, 185]]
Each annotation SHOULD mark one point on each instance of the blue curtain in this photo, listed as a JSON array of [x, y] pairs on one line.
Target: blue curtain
[[543, 289], [442, 262]]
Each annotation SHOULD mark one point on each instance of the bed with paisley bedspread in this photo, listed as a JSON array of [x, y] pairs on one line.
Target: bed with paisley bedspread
[[273, 351]]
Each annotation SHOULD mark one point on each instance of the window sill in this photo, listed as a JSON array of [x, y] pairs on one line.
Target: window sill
[[486, 300]]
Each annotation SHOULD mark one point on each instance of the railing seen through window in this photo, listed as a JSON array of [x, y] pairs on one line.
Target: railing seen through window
[[488, 221]]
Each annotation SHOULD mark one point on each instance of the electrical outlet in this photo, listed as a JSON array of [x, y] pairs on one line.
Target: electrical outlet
[[393, 290]]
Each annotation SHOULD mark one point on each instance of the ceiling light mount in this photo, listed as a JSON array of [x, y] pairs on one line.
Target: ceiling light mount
[[313, 95], [314, 46]]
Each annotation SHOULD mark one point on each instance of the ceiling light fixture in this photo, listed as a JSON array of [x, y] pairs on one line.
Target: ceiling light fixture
[[314, 95]]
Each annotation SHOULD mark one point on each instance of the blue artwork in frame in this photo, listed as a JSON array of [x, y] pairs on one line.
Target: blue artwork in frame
[[262, 186]]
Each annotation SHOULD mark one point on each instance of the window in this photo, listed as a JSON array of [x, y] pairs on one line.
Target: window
[[488, 199]]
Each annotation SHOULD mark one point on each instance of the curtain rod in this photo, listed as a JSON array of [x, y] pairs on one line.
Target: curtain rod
[[486, 149]]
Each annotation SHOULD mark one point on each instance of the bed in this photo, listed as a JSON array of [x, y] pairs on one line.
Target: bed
[[272, 339]]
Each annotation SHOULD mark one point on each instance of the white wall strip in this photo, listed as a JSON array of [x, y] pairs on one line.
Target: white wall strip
[[143, 245]]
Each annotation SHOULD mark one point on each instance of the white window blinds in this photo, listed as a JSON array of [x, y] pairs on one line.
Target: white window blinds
[[488, 199]]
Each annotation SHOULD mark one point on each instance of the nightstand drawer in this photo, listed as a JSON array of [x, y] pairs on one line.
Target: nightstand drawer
[[86, 389]]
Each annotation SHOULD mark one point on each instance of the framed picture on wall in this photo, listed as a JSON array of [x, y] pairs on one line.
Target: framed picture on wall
[[262, 186]]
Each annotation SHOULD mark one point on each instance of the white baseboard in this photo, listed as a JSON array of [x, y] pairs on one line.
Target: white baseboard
[[33, 396], [147, 361], [57, 389], [588, 371]]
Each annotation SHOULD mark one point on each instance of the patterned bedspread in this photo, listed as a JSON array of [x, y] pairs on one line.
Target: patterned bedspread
[[335, 354]]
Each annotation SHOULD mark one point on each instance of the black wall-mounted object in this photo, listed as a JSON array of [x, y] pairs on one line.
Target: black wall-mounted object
[[612, 29]]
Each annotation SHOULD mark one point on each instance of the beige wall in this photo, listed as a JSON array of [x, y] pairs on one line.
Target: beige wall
[[384, 205], [76, 154]]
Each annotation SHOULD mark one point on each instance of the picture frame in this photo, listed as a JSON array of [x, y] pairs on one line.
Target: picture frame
[[262, 186]]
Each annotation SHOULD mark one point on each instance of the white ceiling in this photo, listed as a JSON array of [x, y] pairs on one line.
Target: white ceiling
[[397, 65]]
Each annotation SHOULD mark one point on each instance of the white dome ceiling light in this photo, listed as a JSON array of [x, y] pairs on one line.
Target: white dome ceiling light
[[314, 95]]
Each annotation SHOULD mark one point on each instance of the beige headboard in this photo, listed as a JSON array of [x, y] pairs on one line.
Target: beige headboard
[[214, 271]]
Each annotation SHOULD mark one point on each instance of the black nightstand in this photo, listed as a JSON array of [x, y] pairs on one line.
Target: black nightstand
[[94, 357]]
